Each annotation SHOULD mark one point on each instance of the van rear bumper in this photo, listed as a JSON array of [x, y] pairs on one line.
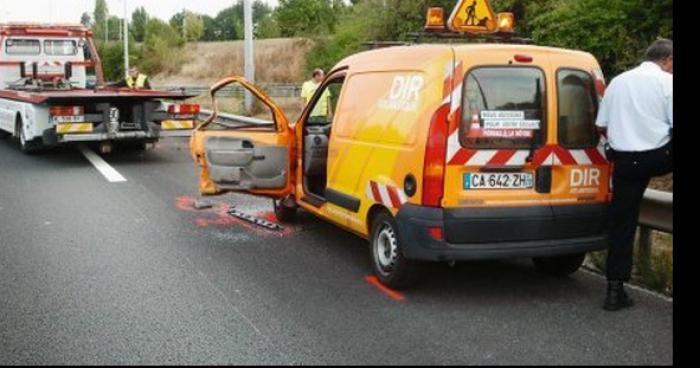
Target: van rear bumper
[[502, 233]]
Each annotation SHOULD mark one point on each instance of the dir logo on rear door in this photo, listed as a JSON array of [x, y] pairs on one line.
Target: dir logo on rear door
[[585, 180]]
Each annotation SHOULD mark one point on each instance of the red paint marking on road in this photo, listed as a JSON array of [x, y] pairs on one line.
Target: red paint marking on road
[[219, 216], [393, 294]]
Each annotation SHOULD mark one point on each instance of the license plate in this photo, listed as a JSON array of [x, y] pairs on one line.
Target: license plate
[[69, 119], [498, 181]]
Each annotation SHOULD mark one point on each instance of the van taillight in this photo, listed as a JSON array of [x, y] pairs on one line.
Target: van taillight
[[66, 111], [599, 79], [435, 152]]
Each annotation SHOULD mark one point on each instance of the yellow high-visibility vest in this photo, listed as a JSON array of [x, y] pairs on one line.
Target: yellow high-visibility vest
[[139, 83]]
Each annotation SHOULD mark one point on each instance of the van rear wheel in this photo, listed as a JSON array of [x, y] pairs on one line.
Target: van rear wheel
[[388, 261], [560, 266]]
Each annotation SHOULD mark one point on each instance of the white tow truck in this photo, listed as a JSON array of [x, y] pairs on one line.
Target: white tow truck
[[52, 92]]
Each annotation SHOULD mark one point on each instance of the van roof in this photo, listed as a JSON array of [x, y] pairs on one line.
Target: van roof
[[397, 57]]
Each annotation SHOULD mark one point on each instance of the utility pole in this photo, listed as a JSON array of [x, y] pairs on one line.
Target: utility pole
[[126, 40], [249, 51], [184, 25]]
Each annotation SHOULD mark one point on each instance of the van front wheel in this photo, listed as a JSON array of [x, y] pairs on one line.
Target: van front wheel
[[388, 261], [560, 266], [284, 213]]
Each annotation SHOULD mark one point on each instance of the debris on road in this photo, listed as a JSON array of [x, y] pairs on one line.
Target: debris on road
[[255, 220], [203, 204]]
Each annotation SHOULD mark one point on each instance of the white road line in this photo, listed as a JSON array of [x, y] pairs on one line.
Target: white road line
[[102, 166]]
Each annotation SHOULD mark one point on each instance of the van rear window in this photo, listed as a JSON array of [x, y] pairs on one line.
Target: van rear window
[[578, 108], [16, 46], [503, 108]]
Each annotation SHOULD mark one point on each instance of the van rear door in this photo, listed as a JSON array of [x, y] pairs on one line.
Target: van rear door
[[580, 171], [493, 146], [494, 157]]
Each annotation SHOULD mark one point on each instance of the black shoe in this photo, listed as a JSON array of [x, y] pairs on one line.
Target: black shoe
[[617, 297]]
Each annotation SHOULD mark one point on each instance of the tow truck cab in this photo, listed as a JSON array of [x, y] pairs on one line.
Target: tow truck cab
[[439, 152], [52, 91]]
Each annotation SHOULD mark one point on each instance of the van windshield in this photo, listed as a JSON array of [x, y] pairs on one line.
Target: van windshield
[[503, 107]]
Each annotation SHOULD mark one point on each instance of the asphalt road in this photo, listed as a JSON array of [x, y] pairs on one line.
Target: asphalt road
[[94, 272]]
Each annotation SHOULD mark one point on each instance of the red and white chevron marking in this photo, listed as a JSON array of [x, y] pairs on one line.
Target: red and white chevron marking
[[387, 195], [547, 155]]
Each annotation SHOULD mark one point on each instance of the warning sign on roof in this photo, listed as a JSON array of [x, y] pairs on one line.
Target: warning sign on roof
[[474, 16]]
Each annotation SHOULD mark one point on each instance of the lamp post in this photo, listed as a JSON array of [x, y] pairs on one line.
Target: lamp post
[[126, 39], [249, 51]]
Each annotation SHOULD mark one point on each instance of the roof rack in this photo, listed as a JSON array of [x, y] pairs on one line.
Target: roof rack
[[451, 37], [498, 37]]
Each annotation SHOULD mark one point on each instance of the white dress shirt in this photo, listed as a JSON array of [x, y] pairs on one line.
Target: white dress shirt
[[638, 109]]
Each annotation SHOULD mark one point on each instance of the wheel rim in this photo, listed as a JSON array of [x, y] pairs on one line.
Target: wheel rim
[[386, 248]]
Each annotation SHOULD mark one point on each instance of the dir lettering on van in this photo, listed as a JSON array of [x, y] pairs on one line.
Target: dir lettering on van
[[585, 180], [404, 94]]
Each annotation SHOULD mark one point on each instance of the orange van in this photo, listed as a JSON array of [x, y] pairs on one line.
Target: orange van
[[440, 152]]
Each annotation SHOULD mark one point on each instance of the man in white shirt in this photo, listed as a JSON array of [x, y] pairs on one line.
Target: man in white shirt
[[637, 115]]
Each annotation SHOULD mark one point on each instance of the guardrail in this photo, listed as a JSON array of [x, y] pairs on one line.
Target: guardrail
[[656, 213], [273, 90]]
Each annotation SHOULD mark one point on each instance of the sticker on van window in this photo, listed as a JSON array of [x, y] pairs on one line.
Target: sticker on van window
[[507, 133], [404, 94], [508, 120]]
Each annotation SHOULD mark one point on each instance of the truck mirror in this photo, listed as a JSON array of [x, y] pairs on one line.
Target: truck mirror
[[68, 72]]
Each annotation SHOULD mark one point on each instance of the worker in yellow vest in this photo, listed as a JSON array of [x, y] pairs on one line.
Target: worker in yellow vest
[[135, 80]]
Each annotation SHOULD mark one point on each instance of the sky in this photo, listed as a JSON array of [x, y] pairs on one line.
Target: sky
[[59, 11]]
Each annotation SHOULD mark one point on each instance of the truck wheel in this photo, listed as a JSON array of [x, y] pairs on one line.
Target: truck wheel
[[284, 213], [388, 261], [4, 134], [560, 266], [27, 146]]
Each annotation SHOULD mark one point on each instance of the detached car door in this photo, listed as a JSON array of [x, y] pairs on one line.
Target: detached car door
[[238, 153]]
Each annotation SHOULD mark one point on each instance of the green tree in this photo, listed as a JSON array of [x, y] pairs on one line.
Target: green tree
[[86, 20], [209, 33], [194, 27], [616, 32], [305, 17], [115, 30], [267, 28], [100, 16], [139, 21]]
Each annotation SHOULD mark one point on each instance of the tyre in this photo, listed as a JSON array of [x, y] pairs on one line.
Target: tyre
[[284, 213], [388, 261], [4, 134], [559, 266], [26, 146]]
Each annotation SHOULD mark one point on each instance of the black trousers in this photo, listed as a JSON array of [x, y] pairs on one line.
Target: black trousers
[[631, 176]]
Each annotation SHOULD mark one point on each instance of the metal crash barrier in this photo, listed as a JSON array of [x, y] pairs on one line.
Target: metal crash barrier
[[656, 214]]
